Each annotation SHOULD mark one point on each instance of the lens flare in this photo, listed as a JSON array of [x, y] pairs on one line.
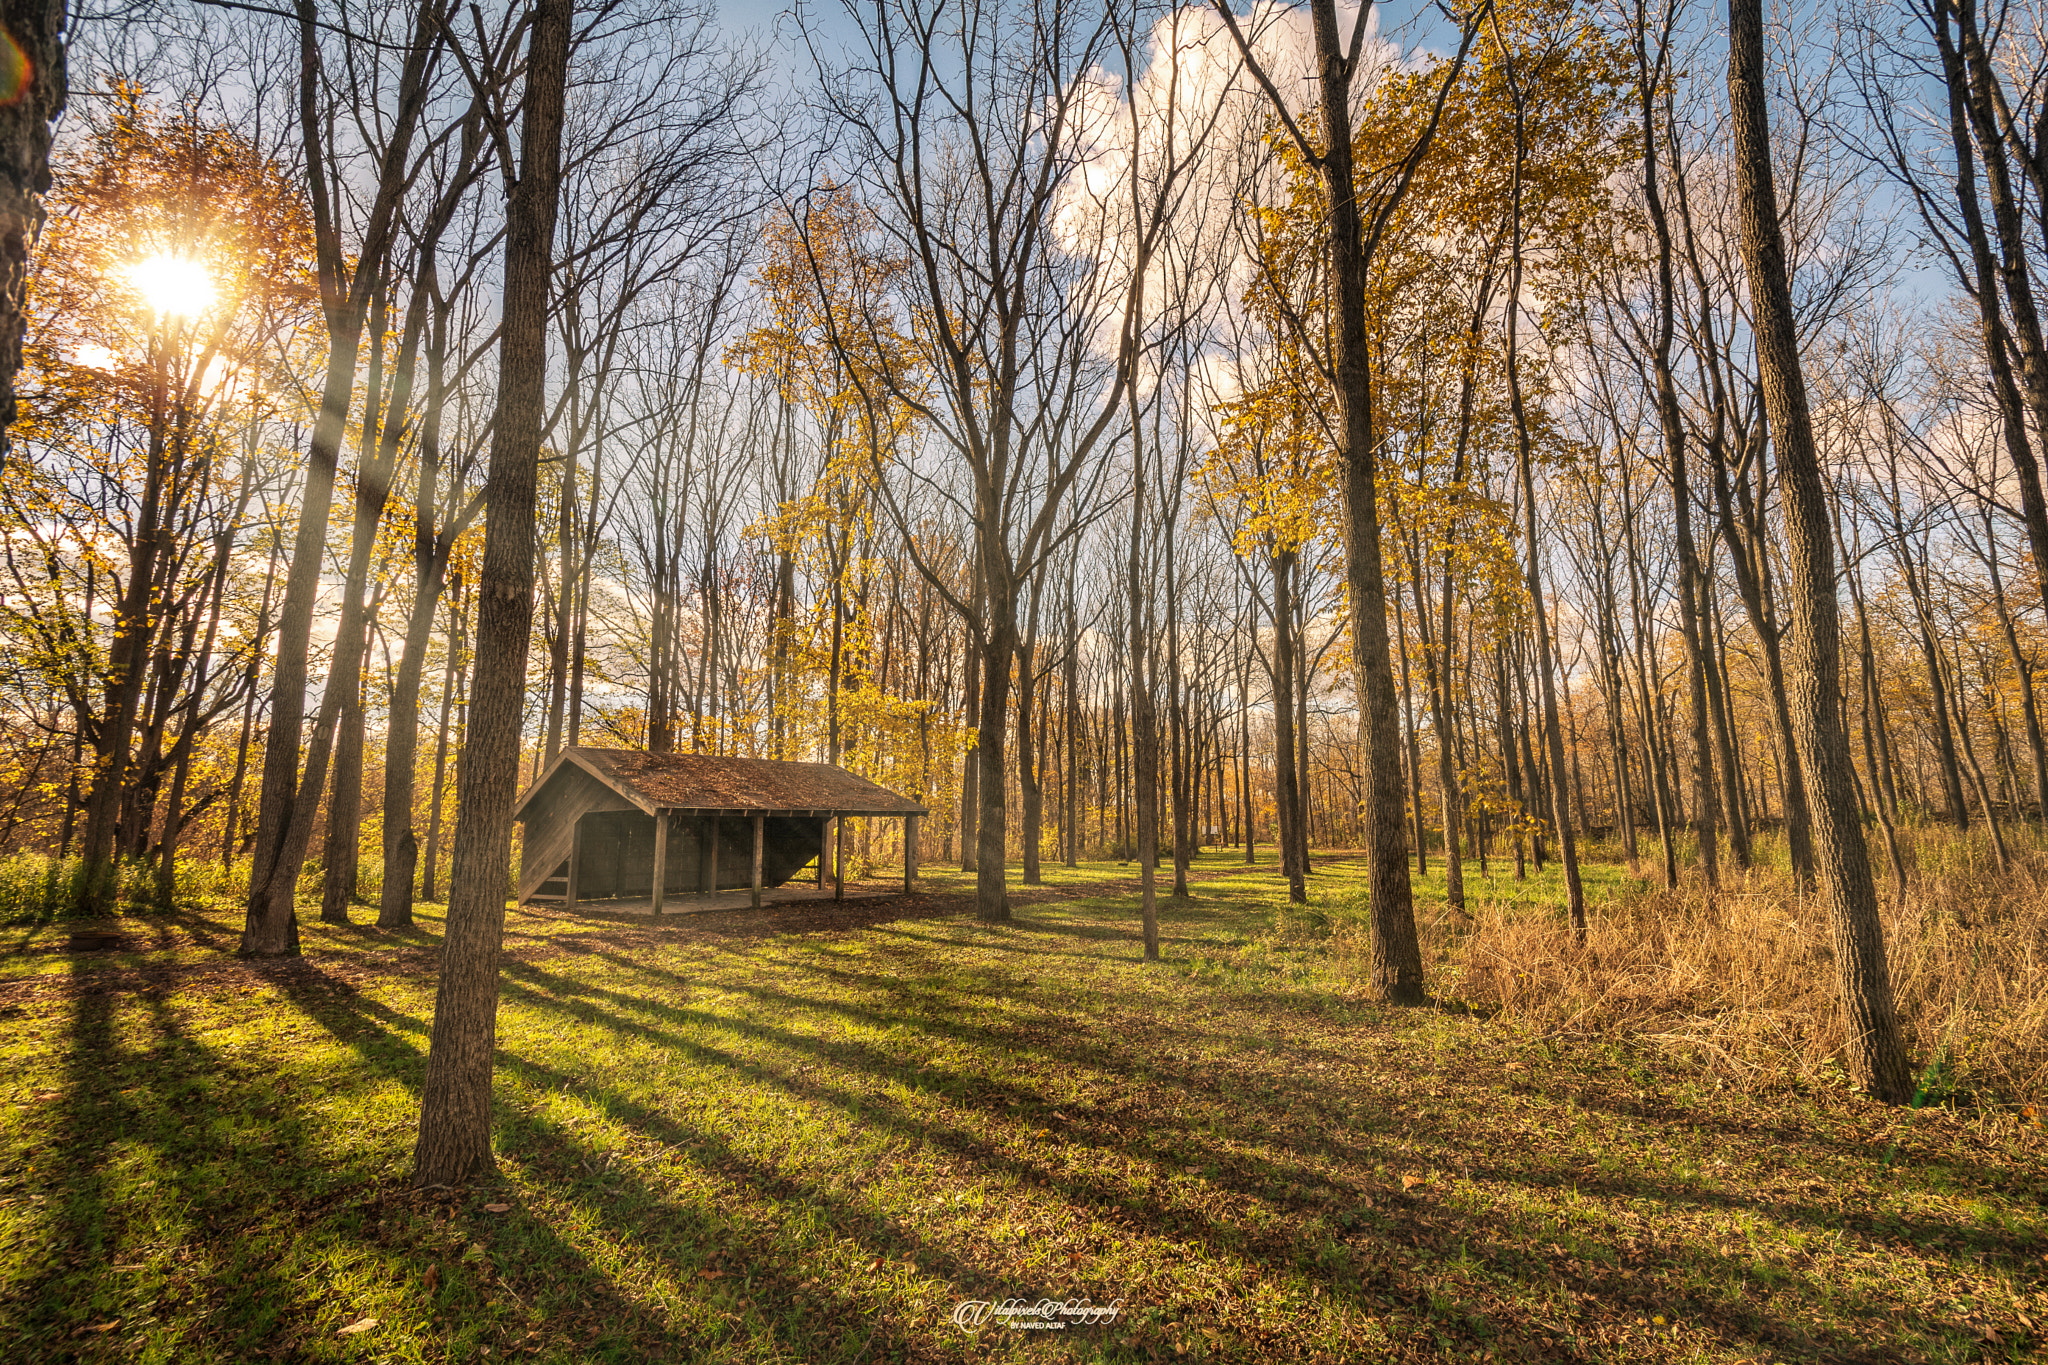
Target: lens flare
[[175, 286], [17, 72]]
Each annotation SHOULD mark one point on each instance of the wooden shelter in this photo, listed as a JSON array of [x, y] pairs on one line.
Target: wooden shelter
[[600, 822]]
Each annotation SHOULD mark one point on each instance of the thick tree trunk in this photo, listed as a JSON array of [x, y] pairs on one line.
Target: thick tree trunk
[[1304, 808], [1972, 82], [991, 889], [455, 1103], [1071, 704], [341, 853], [1877, 1052], [401, 747], [1287, 803], [451, 680], [1396, 958], [37, 28], [1030, 745], [970, 771]]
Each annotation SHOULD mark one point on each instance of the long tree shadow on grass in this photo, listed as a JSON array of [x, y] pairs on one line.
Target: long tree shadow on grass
[[168, 1115], [1350, 1276], [1442, 1226], [558, 1279], [559, 1290], [1372, 1274]]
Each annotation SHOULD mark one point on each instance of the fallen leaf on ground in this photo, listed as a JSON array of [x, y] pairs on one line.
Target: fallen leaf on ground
[[359, 1325], [432, 1279], [1409, 1182], [496, 1208]]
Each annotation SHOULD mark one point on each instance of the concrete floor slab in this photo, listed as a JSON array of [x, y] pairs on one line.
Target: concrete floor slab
[[698, 903]]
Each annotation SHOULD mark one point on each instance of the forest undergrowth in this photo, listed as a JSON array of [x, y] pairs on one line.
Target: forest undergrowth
[[1740, 976]]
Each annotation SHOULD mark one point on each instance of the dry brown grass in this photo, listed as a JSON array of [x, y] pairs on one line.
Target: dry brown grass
[[1743, 977]]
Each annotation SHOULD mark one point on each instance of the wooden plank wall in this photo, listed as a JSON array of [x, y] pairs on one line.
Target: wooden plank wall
[[550, 823]]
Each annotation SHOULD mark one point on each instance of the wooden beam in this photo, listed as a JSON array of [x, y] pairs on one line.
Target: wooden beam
[[660, 855], [760, 840], [575, 859], [910, 824], [824, 848], [839, 862], [710, 878]]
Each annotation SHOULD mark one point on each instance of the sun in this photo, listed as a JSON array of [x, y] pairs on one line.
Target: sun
[[173, 286]]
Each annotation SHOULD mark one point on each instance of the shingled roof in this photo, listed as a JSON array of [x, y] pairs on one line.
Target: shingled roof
[[701, 782]]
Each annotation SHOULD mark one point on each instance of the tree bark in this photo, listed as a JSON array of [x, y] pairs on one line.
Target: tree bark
[[1876, 1048], [1553, 736], [1287, 796], [455, 1103], [37, 28], [970, 771], [287, 798]]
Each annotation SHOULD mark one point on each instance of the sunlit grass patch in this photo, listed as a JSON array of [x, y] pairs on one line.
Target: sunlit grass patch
[[756, 1139]]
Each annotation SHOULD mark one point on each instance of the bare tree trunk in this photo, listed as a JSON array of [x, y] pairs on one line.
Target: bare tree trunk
[[1071, 705], [992, 896], [402, 729], [1734, 817], [1144, 728], [1304, 778], [1180, 756], [2023, 666], [970, 771], [289, 798], [232, 816], [455, 1102], [451, 679], [1411, 749], [1030, 773], [1877, 1052], [1287, 796], [1352, 239], [1145, 776], [341, 853], [1553, 735]]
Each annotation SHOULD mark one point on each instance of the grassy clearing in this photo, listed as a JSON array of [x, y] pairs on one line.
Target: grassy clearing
[[805, 1135]]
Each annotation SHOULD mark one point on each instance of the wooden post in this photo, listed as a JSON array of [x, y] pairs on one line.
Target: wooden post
[[760, 839], [660, 855], [707, 855], [839, 859], [910, 824], [575, 861], [824, 849]]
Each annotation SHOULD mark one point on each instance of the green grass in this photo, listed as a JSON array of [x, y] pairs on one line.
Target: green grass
[[805, 1135]]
